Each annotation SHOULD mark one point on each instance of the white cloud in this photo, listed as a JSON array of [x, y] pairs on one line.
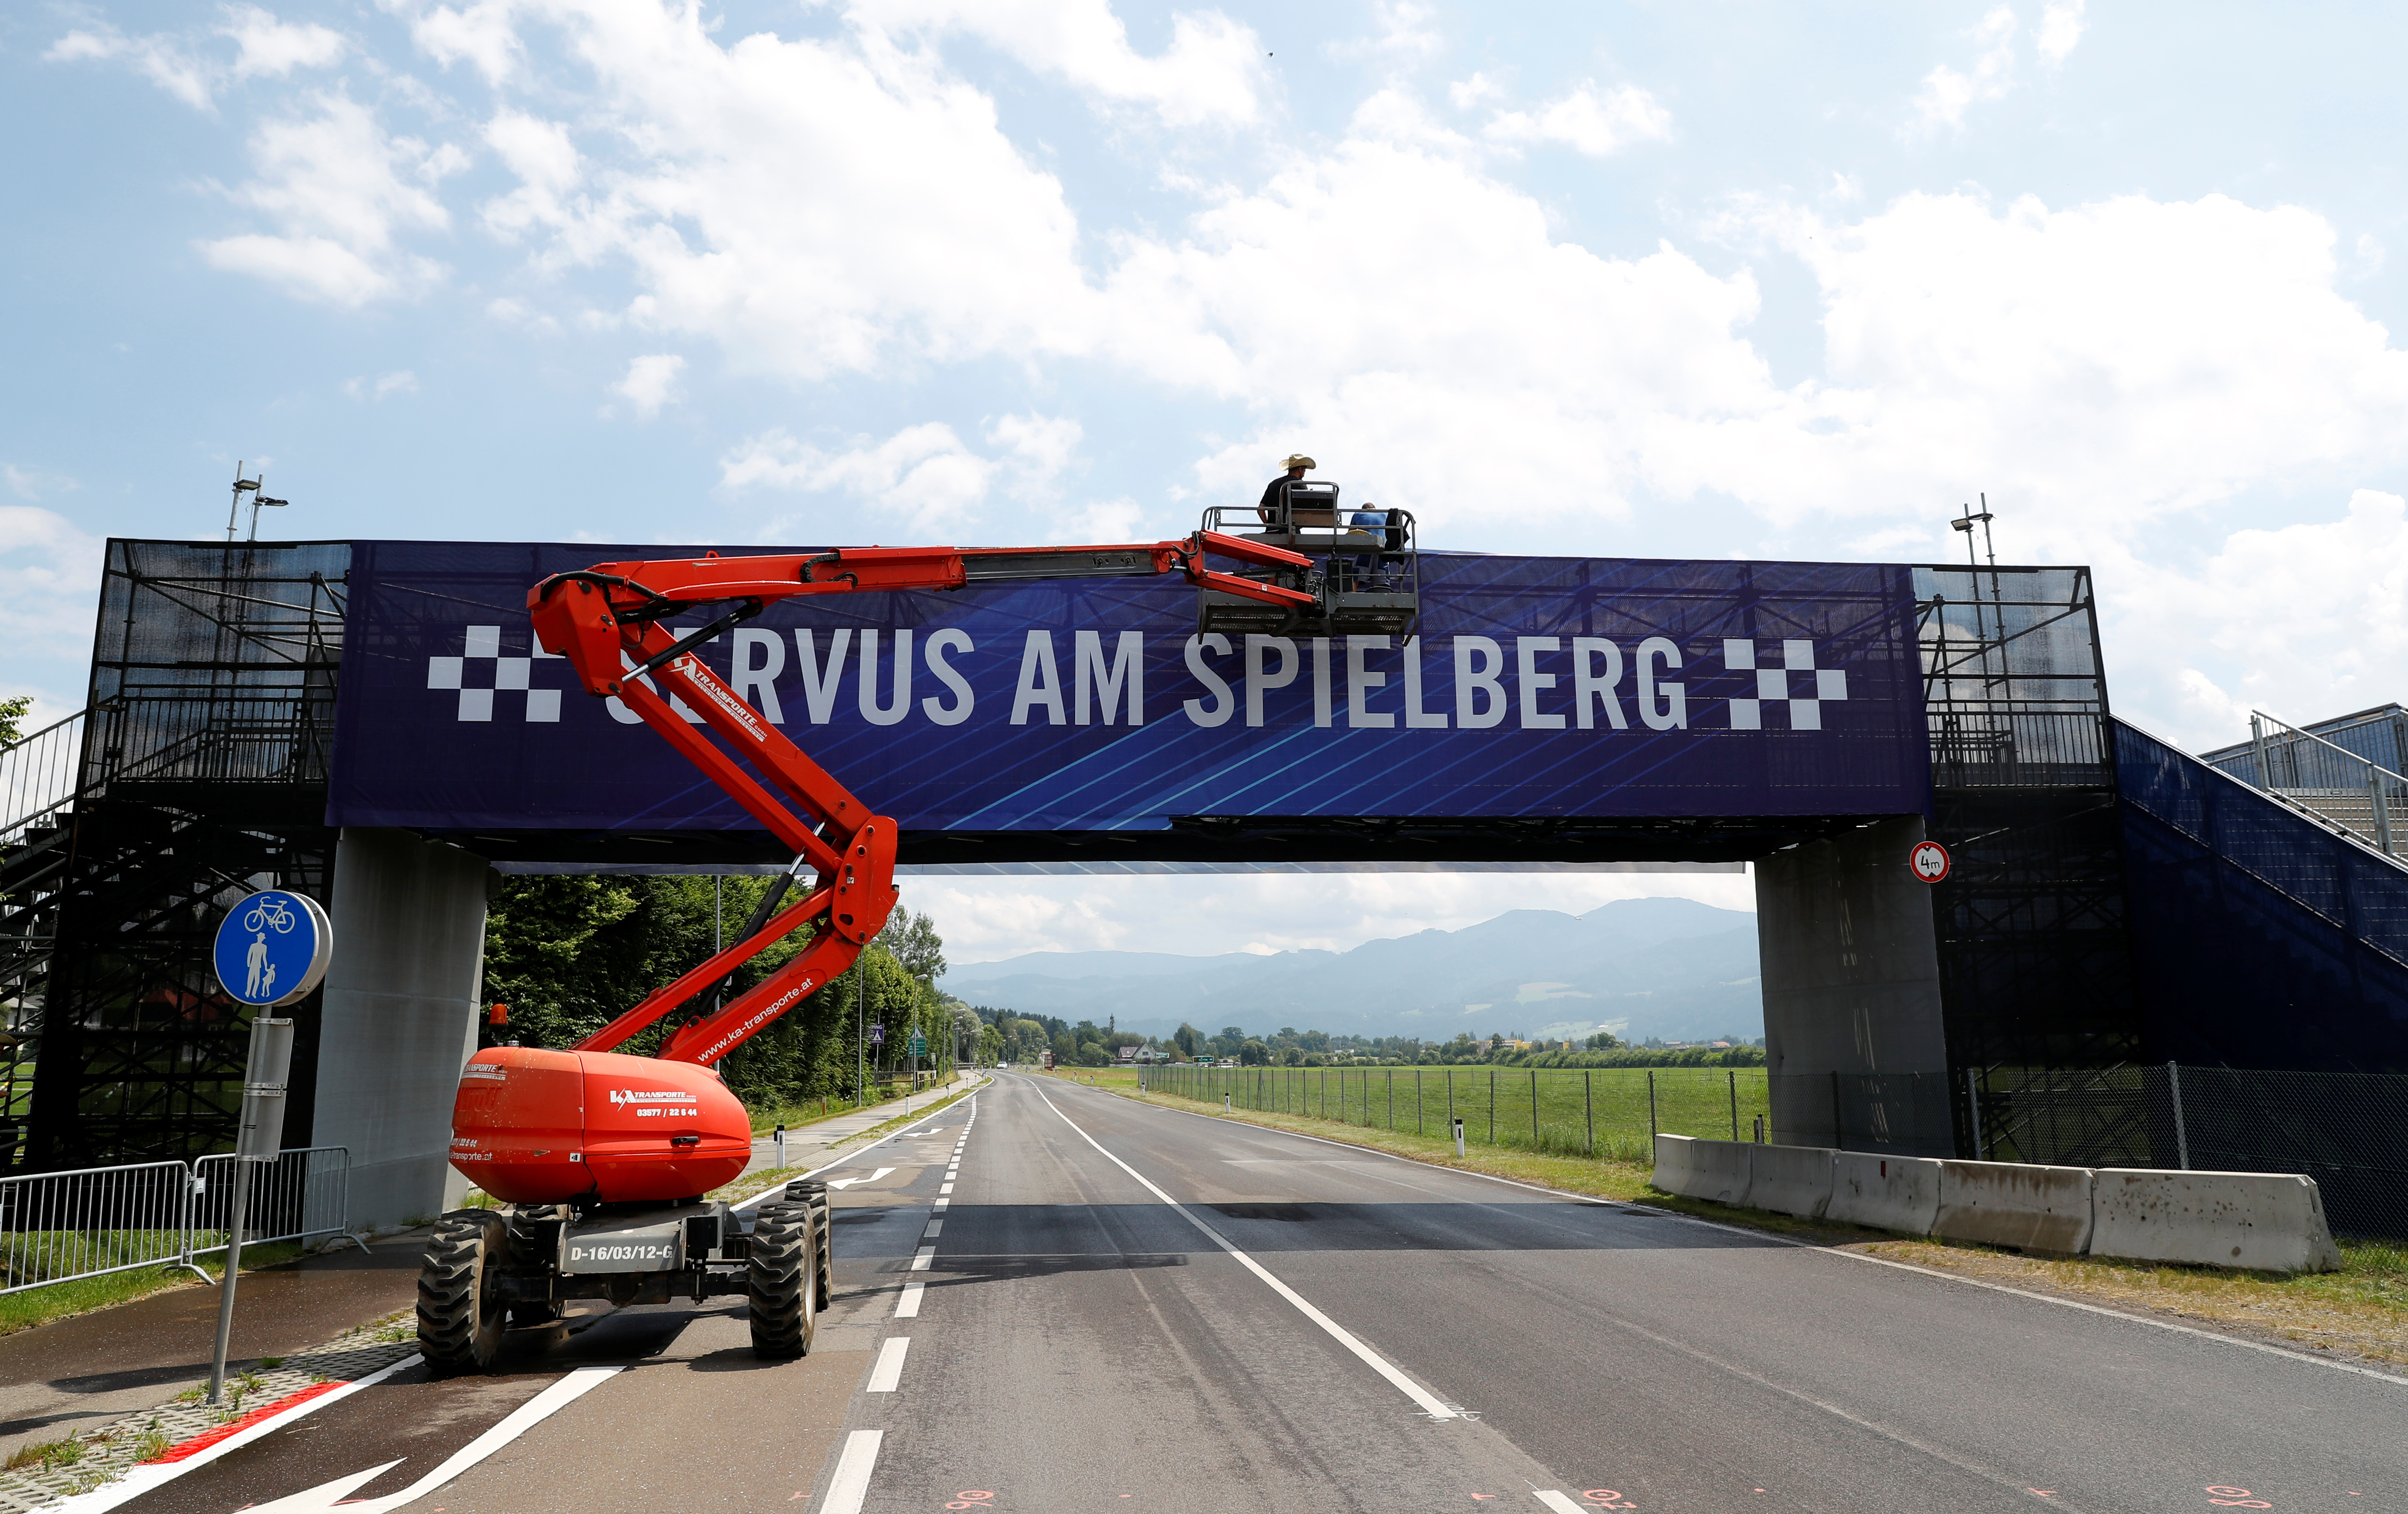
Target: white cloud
[[652, 383], [49, 582], [181, 63], [2303, 621], [925, 474], [925, 232], [2095, 368], [339, 189], [34, 483], [1212, 74], [402, 381], [2061, 29], [1946, 94], [1470, 94], [1588, 120]]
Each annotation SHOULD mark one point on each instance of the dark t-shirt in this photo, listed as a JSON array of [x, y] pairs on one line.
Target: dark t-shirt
[[1270, 506]]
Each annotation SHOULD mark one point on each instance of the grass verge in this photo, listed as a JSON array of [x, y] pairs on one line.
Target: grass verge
[[2360, 1311], [797, 1116], [40, 1305]]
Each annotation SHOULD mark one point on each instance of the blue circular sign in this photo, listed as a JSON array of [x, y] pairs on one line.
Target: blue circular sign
[[273, 948]]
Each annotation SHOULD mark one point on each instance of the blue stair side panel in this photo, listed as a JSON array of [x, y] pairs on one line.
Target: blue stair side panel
[[2260, 939]]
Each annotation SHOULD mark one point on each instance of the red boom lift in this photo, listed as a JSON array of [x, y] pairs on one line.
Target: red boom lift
[[602, 1158]]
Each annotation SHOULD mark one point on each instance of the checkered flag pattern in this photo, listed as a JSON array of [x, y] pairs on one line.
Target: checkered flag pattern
[[1773, 685], [477, 686]]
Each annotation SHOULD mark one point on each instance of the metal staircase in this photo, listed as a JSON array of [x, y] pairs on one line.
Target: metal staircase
[[2347, 794], [196, 774]]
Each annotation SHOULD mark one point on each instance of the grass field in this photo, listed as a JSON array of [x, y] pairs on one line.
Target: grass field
[[1611, 1112]]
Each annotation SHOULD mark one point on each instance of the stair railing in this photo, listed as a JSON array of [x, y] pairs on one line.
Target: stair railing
[[39, 774], [2328, 781]]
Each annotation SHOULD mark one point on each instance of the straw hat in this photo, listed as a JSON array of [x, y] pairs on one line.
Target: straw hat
[[1297, 460]]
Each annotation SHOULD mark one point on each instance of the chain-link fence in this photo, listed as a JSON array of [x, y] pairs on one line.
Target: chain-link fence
[[1599, 1111], [1897, 1114], [2348, 1131]]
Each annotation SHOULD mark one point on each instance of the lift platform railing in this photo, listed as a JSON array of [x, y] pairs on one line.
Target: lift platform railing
[[1366, 575], [2330, 783]]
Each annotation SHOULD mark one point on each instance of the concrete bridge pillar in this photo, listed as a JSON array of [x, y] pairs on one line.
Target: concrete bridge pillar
[[400, 1017], [1852, 986]]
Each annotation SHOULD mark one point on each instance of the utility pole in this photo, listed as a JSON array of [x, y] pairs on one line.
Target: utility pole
[[233, 510]]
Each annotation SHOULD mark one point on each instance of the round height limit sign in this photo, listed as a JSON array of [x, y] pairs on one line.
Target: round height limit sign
[[1929, 860], [273, 947]]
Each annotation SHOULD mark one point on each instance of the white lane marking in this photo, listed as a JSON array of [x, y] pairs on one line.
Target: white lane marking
[[888, 1372], [908, 1307], [1557, 1502], [1592, 1201], [936, 1228], [850, 1484], [943, 1202], [920, 1261], [1429, 1400], [327, 1495], [143, 1478], [848, 1182], [943, 1190], [780, 1189]]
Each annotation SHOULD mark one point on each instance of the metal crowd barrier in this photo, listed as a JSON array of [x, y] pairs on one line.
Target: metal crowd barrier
[[58, 1227]]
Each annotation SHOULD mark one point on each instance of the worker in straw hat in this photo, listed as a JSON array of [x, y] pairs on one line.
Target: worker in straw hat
[[1269, 508]]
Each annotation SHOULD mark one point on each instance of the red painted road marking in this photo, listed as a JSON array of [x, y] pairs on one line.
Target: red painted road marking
[[977, 1498], [1607, 1498], [234, 1427], [2235, 1498]]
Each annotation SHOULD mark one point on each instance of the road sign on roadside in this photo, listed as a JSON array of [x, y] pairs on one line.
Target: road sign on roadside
[[1929, 860], [272, 949], [919, 1044]]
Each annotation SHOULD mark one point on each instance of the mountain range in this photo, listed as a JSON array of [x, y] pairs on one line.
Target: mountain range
[[1667, 968]]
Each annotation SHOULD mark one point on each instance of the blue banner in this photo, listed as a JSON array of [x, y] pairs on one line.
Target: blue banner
[[1539, 687]]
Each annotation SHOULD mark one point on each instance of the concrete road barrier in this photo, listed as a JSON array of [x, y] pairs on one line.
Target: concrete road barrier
[[2274, 1221], [2029, 1207], [1716, 1170], [1790, 1179], [1885, 1192]]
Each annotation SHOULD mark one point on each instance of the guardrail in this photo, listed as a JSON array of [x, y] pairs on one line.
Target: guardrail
[[38, 774], [58, 1227]]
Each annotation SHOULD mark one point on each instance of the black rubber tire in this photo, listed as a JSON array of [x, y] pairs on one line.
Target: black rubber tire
[[459, 1326], [813, 1192], [778, 1272]]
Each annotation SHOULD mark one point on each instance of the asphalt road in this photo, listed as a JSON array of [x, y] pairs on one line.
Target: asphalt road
[[1374, 1335]]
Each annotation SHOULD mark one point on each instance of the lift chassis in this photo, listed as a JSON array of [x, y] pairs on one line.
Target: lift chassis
[[601, 1160]]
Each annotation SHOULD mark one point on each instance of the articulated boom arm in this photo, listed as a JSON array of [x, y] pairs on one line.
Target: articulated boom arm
[[606, 621]]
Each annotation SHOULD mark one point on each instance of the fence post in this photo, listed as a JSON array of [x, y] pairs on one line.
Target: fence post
[[1492, 1106], [1392, 1101], [1534, 1108], [1449, 1098], [1734, 1096], [1652, 1130], [2382, 809], [1417, 1101], [1973, 1102], [2182, 1137], [1588, 1099]]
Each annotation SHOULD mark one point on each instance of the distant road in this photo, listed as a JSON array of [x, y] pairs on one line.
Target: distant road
[[1384, 1336]]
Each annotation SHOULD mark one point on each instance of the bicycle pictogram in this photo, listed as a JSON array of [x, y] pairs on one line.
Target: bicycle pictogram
[[269, 915]]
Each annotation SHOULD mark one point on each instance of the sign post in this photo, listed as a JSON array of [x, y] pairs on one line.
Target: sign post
[[272, 949]]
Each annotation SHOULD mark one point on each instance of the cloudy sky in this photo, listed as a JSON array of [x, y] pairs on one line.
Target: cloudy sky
[[1620, 278]]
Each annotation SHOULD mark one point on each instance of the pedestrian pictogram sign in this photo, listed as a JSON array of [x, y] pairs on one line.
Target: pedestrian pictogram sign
[[1929, 860], [272, 948]]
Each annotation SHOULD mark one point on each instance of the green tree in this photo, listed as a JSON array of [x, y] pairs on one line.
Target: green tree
[[1188, 1039], [12, 716]]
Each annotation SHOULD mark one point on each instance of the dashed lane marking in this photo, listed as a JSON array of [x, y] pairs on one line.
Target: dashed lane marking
[[936, 1228], [908, 1307], [1430, 1403], [850, 1484], [1556, 1501], [888, 1372], [920, 1259]]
